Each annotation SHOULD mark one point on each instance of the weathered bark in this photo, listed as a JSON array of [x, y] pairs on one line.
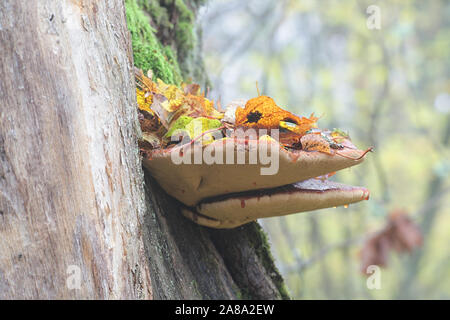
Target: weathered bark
[[71, 185], [195, 262]]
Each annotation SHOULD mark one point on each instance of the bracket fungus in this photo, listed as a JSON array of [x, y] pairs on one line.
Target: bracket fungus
[[254, 160]]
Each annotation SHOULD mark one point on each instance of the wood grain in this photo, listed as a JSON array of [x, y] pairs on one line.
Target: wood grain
[[71, 186]]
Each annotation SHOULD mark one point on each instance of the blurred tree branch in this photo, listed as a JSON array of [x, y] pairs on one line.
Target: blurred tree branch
[[435, 186]]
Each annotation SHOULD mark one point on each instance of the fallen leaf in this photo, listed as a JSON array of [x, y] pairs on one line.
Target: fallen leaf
[[263, 113], [400, 234], [315, 142], [405, 234], [375, 252]]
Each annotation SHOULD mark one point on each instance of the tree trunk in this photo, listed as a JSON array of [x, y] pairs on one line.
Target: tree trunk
[[73, 203], [71, 186]]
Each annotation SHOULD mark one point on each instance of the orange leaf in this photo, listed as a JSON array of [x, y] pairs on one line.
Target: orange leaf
[[315, 142], [263, 113]]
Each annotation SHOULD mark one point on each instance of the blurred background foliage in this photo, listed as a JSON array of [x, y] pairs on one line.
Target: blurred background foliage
[[389, 88]]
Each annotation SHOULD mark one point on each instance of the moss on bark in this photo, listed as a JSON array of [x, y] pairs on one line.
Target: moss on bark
[[165, 39], [148, 52], [262, 248]]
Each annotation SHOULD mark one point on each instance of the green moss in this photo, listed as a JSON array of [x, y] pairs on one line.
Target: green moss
[[194, 127], [148, 52], [159, 14], [171, 58], [184, 36], [164, 39], [184, 29], [179, 124], [194, 287], [238, 293]]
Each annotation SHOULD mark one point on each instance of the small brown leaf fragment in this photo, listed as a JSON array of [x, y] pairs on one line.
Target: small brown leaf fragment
[[148, 122], [375, 251], [400, 234], [291, 140], [405, 234], [192, 88], [163, 114], [315, 142], [145, 83]]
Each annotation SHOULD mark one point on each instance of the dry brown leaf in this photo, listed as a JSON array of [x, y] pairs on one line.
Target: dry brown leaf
[[400, 233], [315, 142], [375, 251], [405, 234]]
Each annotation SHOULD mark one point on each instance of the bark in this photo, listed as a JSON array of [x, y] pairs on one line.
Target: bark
[[195, 262], [71, 186], [72, 193]]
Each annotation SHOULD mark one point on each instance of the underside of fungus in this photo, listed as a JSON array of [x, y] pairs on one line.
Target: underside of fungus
[[228, 195]]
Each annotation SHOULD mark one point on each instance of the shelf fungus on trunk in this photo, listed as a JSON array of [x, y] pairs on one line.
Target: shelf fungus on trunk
[[254, 160]]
